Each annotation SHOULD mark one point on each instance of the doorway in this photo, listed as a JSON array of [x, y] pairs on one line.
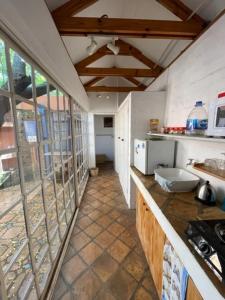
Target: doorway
[[104, 138]]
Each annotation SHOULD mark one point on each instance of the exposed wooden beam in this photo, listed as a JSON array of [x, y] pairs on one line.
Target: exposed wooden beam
[[73, 26], [90, 59], [182, 11], [136, 82], [113, 89], [72, 8], [135, 52], [123, 72], [93, 81]]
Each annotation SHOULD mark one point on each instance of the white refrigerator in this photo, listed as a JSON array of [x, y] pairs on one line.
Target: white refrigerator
[[150, 154]]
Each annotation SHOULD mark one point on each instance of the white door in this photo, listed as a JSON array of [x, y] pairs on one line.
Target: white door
[[124, 148]]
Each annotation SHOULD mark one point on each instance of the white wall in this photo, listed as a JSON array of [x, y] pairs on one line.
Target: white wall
[[103, 105], [31, 25], [199, 74], [104, 137]]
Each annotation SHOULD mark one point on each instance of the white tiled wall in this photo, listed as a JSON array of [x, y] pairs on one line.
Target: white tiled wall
[[199, 74]]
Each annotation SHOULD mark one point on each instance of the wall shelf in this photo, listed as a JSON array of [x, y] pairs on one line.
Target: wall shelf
[[188, 137], [210, 171]]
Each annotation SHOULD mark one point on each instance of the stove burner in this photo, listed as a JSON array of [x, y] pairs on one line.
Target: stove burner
[[208, 239], [220, 231]]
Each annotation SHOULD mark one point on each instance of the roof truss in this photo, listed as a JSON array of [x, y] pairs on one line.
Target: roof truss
[[80, 26], [183, 12]]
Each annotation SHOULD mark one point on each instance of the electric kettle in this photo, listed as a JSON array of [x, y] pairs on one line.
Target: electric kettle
[[206, 194]]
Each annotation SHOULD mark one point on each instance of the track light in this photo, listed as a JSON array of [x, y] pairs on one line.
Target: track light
[[111, 46], [91, 48]]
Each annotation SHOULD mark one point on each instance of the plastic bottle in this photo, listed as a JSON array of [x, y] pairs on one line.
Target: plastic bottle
[[197, 121]]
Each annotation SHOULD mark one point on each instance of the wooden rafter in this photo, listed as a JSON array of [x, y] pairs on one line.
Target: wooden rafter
[[136, 82], [93, 81], [183, 12], [113, 89], [80, 26], [121, 72], [125, 49], [72, 8], [135, 52]]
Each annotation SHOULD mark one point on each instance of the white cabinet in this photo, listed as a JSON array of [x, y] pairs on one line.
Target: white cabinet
[[132, 121]]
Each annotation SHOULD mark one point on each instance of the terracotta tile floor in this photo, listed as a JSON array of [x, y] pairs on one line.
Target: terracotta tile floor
[[104, 260]]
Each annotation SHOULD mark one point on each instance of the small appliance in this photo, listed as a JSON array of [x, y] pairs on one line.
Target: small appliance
[[150, 154], [208, 239], [216, 121], [206, 194]]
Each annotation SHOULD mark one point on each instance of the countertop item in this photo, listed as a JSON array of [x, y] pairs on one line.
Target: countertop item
[[176, 180], [206, 194], [173, 212]]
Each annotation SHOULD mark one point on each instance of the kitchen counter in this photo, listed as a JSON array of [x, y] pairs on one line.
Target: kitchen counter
[[173, 211]]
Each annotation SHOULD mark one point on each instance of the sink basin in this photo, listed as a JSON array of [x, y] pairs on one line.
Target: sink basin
[[176, 180]]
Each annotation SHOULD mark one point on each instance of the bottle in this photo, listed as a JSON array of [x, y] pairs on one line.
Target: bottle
[[197, 121]]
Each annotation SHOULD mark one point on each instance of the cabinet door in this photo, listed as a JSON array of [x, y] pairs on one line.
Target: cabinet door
[[192, 292], [152, 239]]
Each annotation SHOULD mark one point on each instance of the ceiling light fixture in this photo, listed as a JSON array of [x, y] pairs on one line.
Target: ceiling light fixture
[[112, 46], [92, 47]]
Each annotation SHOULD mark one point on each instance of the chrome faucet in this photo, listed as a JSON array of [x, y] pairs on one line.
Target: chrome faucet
[[190, 162]]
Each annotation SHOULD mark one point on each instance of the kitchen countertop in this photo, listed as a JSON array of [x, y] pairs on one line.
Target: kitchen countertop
[[176, 209]]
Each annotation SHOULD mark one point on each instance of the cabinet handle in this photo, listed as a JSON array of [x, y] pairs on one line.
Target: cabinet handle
[[122, 140], [119, 137]]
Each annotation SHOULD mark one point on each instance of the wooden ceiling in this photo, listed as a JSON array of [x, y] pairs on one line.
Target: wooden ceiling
[[190, 26]]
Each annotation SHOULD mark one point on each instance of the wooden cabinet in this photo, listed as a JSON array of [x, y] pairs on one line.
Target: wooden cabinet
[[153, 239], [192, 292]]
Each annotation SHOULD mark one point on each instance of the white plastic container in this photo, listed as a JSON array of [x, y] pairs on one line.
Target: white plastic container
[[197, 121]]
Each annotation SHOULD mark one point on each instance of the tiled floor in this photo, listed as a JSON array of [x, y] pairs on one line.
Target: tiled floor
[[104, 260]]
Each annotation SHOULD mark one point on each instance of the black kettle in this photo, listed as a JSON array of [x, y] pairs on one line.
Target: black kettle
[[206, 194]]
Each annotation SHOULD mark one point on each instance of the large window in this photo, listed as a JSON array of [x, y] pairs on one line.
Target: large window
[[81, 146], [37, 173]]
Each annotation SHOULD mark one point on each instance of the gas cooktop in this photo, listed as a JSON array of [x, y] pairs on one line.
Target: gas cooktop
[[208, 239]]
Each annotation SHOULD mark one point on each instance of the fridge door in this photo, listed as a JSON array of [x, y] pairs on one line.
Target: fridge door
[[140, 155]]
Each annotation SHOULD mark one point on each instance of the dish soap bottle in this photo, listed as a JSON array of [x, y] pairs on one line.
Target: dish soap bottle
[[197, 121]]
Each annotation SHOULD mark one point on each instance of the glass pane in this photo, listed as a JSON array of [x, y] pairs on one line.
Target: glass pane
[[7, 134], [39, 242], [18, 279], [68, 214], [52, 218], [33, 294], [22, 75], [3, 68], [67, 194], [59, 178], [63, 225], [30, 167], [54, 116], [35, 207], [60, 203], [55, 244], [41, 86], [27, 124], [71, 186], [12, 234], [10, 190], [46, 159], [44, 272], [49, 191]]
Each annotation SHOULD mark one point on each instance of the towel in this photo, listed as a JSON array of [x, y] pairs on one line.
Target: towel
[[175, 276]]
